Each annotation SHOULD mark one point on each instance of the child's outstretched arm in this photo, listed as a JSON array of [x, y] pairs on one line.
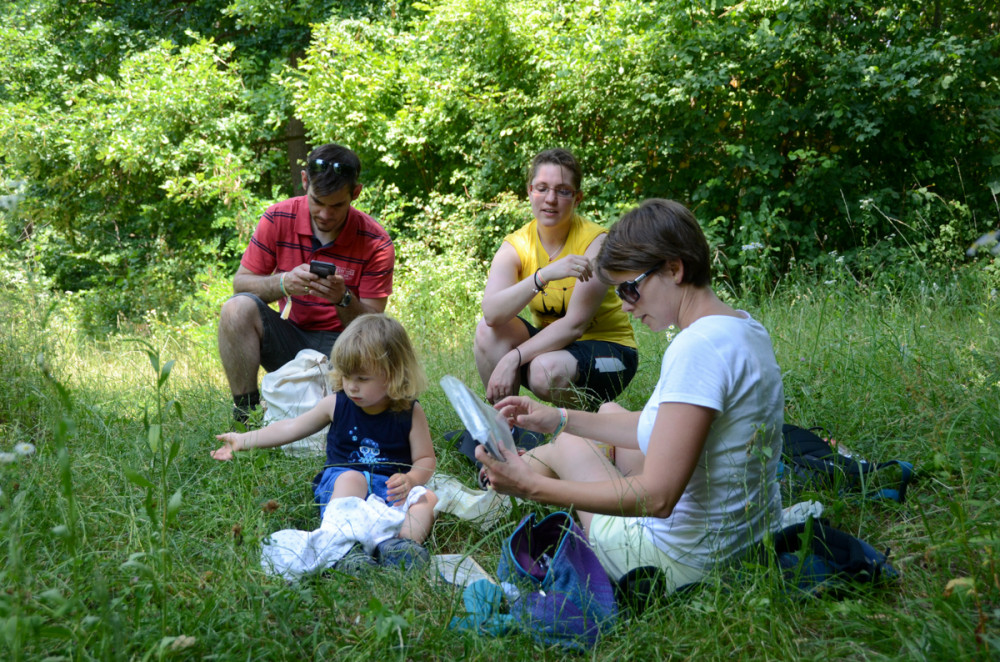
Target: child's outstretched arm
[[278, 433], [424, 460]]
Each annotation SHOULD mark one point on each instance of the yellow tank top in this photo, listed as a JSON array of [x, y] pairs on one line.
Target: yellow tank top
[[610, 324]]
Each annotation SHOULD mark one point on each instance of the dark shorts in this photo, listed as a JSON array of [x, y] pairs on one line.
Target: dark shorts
[[282, 340], [606, 368]]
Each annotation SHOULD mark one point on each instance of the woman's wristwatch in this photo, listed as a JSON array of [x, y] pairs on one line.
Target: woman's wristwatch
[[346, 301]]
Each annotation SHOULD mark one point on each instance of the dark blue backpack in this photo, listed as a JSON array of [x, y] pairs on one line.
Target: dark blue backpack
[[814, 558], [810, 462], [818, 559]]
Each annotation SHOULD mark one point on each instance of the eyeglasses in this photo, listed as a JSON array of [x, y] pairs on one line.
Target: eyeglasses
[[319, 166], [629, 290], [542, 190]]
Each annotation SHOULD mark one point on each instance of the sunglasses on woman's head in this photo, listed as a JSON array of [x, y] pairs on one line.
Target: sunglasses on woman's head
[[319, 166], [629, 290]]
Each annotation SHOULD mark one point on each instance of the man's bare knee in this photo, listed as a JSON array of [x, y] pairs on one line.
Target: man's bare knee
[[238, 312]]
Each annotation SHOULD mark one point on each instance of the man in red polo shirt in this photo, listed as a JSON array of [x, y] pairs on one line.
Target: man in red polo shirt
[[320, 226]]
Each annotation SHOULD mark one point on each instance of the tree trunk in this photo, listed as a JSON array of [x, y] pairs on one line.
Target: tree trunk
[[298, 150]]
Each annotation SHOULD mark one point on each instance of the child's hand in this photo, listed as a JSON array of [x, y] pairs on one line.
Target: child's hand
[[398, 486], [229, 444]]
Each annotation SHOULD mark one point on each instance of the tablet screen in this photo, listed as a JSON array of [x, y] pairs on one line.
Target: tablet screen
[[482, 421]]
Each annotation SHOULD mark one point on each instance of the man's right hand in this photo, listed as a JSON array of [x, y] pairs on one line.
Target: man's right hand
[[299, 281], [331, 288]]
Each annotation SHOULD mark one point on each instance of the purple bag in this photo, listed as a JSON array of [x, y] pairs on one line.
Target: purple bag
[[558, 590]]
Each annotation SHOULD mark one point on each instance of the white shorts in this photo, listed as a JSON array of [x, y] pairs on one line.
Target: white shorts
[[621, 545]]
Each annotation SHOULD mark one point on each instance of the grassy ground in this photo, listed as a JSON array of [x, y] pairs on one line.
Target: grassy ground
[[121, 539]]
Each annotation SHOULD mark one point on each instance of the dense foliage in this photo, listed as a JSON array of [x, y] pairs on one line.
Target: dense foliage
[[151, 135]]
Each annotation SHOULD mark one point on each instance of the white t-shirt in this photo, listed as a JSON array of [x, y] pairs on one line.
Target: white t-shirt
[[726, 364]]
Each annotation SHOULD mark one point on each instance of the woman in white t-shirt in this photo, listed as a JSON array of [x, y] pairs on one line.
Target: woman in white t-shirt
[[693, 480]]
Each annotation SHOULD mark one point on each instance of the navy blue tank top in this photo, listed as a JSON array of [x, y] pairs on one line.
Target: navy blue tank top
[[378, 443]]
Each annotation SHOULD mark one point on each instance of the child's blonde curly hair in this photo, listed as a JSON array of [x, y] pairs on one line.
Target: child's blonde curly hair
[[379, 345]]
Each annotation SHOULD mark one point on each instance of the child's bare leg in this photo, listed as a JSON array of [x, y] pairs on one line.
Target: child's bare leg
[[350, 484], [419, 518]]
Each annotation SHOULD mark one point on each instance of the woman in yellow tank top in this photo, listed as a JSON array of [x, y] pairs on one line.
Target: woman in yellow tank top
[[579, 348]]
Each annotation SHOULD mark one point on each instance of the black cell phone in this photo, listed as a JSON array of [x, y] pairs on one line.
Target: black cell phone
[[322, 269]]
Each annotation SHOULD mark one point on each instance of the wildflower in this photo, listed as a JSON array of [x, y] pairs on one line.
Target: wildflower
[[840, 260], [829, 282], [24, 448], [752, 246], [7, 457]]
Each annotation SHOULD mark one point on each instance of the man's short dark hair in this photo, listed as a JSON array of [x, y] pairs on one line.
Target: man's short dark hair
[[331, 167]]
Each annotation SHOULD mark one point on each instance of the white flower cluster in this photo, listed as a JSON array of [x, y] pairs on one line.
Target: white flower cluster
[[20, 450], [752, 246]]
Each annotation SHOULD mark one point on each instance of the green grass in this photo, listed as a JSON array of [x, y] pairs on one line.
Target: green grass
[[97, 564]]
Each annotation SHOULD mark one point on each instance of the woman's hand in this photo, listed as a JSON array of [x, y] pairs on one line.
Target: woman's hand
[[398, 486], [230, 444], [513, 477], [571, 266], [506, 377], [530, 414]]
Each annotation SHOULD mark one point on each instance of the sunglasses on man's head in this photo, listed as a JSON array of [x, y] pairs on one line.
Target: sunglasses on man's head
[[319, 166], [629, 290]]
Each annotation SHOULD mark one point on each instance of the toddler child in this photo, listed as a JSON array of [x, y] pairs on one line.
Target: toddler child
[[379, 441]]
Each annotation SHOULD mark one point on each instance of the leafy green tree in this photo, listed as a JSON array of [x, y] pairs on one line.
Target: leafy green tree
[[152, 134], [784, 123]]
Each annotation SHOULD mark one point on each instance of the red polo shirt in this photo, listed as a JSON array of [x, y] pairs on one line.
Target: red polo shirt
[[363, 253]]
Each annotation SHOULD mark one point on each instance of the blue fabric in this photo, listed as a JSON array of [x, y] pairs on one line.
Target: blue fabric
[[818, 559], [323, 486], [810, 461], [564, 595], [483, 600]]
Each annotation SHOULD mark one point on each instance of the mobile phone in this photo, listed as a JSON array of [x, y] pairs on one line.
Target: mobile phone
[[322, 269]]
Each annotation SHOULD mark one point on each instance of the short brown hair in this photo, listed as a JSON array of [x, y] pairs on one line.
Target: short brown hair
[[560, 157], [654, 233], [377, 344]]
